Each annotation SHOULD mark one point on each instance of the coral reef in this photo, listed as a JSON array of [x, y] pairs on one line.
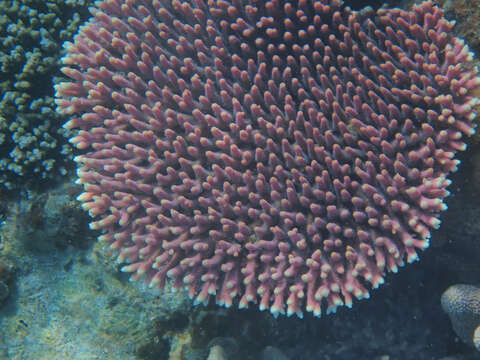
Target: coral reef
[[66, 302], [44, 221], [462, 304], [32, 143], [286, 154]]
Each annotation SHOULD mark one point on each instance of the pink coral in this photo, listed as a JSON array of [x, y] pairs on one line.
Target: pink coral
[[289, 153]]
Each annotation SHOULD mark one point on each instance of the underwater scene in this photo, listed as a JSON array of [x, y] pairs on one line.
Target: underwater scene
[[239, 180]]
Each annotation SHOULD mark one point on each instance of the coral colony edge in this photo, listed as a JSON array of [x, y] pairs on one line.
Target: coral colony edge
[[281, 153]]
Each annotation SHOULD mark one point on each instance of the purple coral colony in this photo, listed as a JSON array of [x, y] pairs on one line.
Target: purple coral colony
[[288, 153]]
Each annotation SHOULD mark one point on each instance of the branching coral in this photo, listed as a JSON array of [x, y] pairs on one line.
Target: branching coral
[[288, 153]]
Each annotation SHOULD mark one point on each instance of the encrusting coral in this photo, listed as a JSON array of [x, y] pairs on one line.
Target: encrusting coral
[[286, 153], [462, 304], [32, 143]]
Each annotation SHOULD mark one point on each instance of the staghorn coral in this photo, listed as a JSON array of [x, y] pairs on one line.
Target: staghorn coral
[[289, 153], [462, 304], [32, 144]]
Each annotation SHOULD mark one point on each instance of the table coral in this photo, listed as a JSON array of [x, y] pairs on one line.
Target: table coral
[[285, 153]]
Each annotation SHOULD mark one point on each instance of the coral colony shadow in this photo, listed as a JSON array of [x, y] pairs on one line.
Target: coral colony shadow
[[286, 154]]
